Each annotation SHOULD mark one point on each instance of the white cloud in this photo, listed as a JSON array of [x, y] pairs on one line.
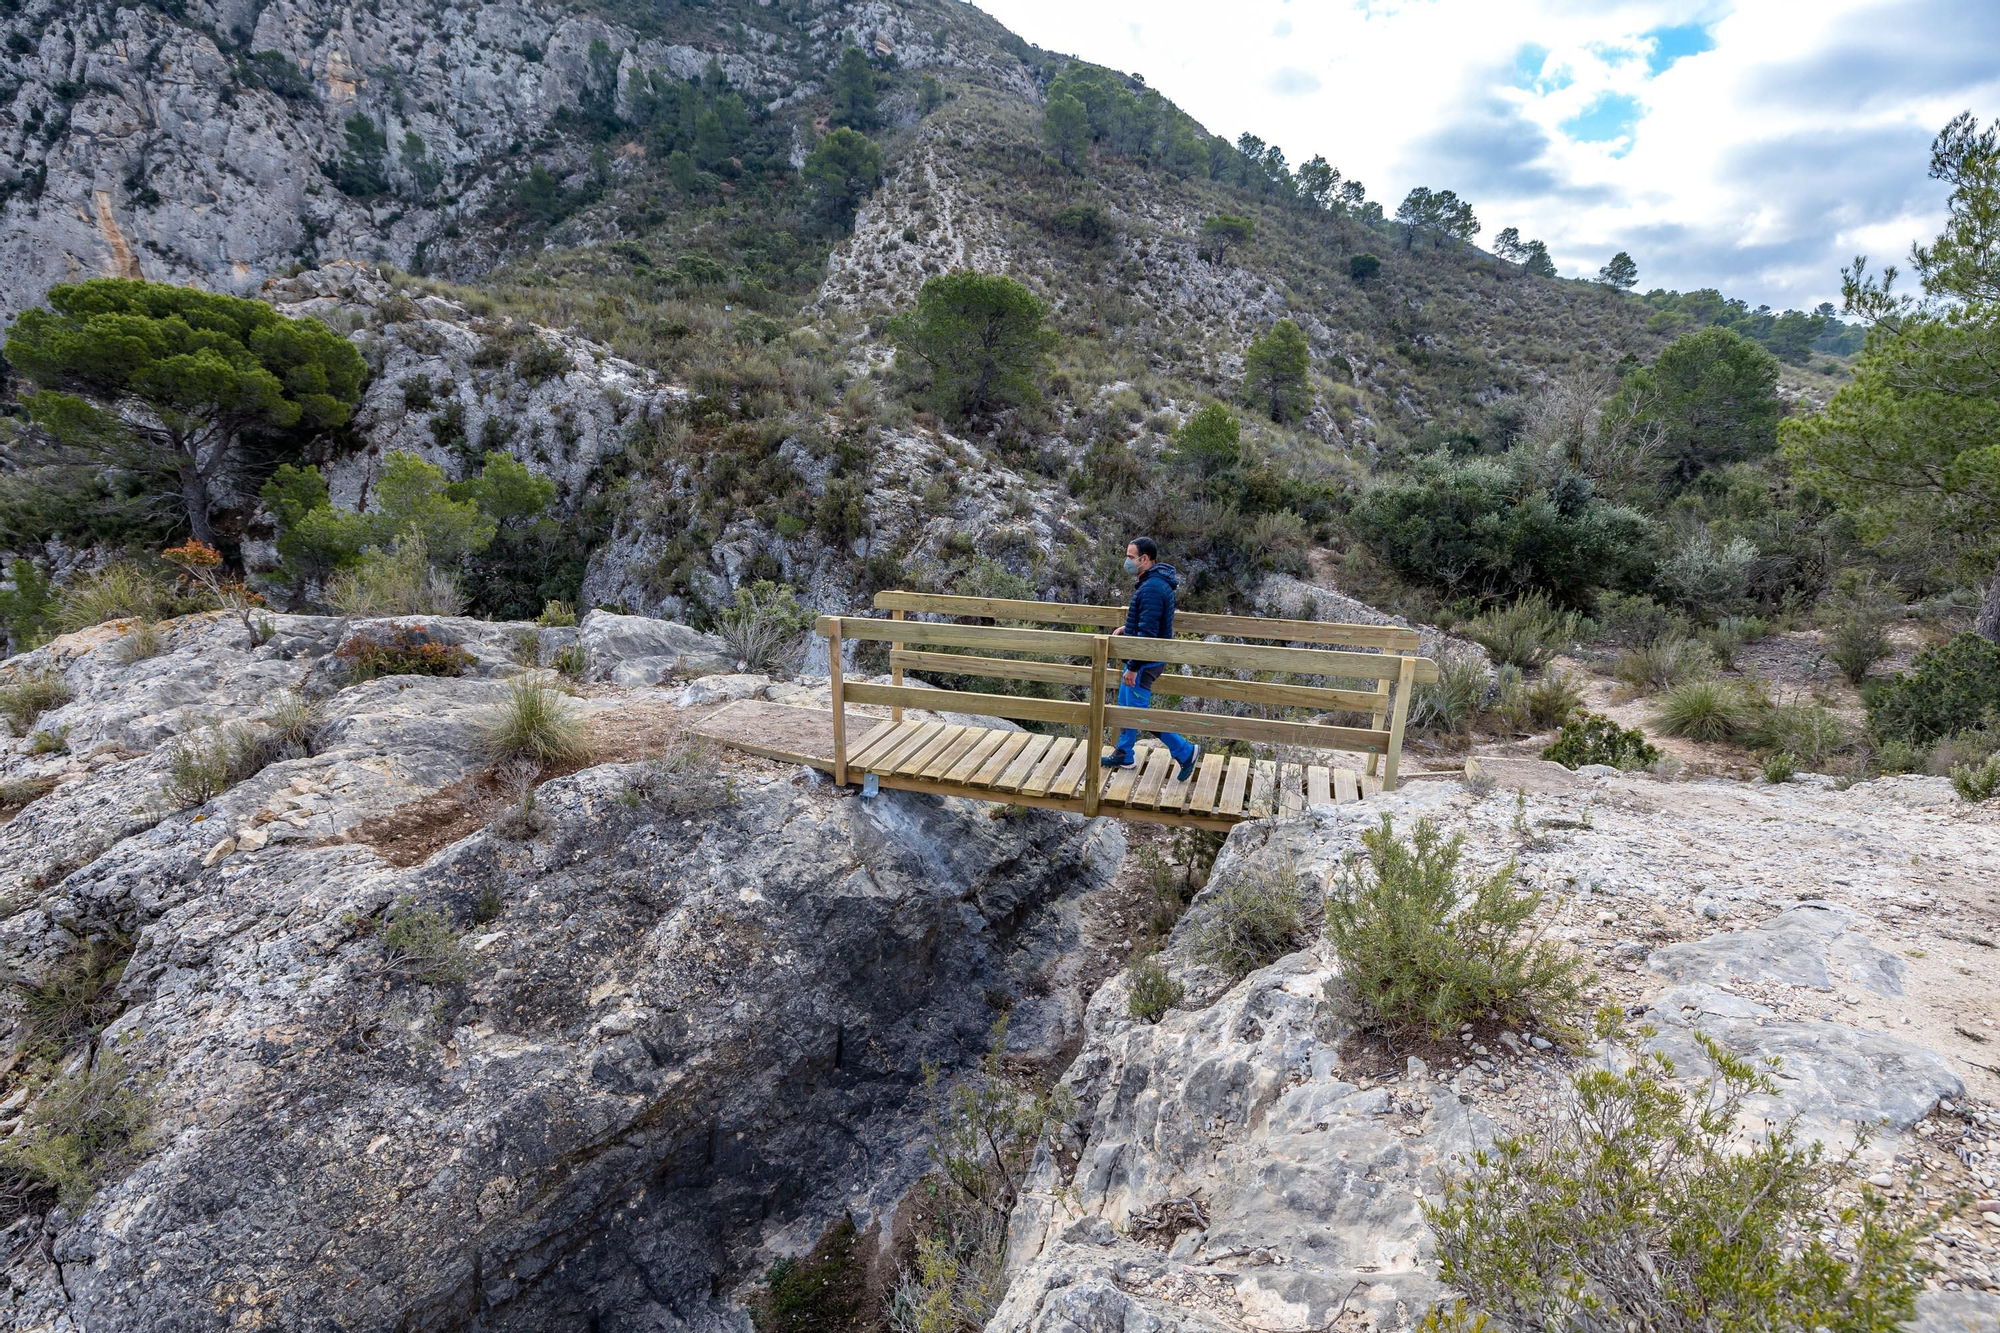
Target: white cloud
[[1753, 148]]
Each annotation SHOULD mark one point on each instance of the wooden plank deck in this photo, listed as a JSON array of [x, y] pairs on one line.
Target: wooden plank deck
[[1027, 768]]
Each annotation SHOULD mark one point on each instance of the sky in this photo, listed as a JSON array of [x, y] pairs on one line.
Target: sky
[[1754, 147]]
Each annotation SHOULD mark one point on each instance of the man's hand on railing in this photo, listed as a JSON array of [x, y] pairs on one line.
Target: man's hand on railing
[[1131, 678], [1120, 629]]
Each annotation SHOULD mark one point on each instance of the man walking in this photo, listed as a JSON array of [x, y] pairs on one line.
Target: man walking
[[1151, 616]]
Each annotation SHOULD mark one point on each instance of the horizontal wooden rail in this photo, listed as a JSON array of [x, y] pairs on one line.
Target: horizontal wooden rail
[[1273, 694], [1390, 638], [999, 668], [1254, 729], [1053, 643], [1256, 657], [964, 701]]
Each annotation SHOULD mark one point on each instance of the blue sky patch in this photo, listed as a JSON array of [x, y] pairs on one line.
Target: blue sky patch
[[1677, 43], [1528, 63], [1608, 118]]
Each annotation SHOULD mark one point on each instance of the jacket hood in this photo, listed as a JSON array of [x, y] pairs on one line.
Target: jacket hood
[[1167, 572]]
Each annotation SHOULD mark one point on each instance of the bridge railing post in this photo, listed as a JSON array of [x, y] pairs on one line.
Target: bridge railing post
[[1093, 773], [839, 705], [1406, 680], [895, 669]]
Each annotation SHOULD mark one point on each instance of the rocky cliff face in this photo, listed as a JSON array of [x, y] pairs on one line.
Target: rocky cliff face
[[187, 142], [1251, 1164], [693, 1008]]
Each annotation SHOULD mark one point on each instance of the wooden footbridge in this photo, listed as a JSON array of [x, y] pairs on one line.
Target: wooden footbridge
[[1260, 759]]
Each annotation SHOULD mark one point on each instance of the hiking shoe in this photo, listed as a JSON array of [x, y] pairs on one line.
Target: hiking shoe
[[1187, 768], [1113, 761]]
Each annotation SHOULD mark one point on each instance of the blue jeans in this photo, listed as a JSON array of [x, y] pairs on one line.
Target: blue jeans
[[1138, 696]]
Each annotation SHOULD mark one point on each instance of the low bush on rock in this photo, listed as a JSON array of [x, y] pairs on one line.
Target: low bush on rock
[[1705, 710], [420, 943], [1552, 699], [29, 694], [141, 642], [1526, 634], [1977, 783], [16, 793], [410, 650], [79, 1128], [1662, 662], [1780, 768], [535, 723], [121, 590], [1596, 739], [984, 1134], [73, 1001], [1251, 920], [1448, 705], [296, 723], [1151, 990], [1810, 733], [1422, 949], [825, 1291], [681, 781], [1629, 1202], [1950, 689], [202, 764], [763, 626]]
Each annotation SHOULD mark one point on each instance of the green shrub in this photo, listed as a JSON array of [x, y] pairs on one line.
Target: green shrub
[[1977, 783], [1151, 990], [1855, 619], [1526, 634], [1661, 663], [1899, 757], [535, 723], [557, 615], [18, 793], [1633, 1199], [29, 694], [1254, 919], [1746, 629], [79, 1128], [825, 1291], [74, 1000], [1704, 710], [1596, 739], [295, 722], [49, 742], [1780, 768], [763, 625], [202, 764], [1809, 733], [1423, 950], [1552, 699], [1949, 689], [407, 650], [980, 336], [1448, 705], [120, 590], [1965, 747], [399, 582], [573, 662], [142, 641], [420, 943], [1631, 619]]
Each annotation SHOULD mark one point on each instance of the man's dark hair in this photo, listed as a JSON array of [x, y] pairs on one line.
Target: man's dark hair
[[1147, 547]]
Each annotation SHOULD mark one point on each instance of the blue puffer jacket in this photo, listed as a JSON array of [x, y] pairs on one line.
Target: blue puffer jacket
[[1151, 615]]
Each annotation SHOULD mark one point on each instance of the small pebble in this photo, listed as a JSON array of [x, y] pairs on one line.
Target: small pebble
[[1882, 1180]]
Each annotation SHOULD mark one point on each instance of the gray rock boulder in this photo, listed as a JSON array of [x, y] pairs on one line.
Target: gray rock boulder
[[691, 1022], [639, 650], [1810, 945]]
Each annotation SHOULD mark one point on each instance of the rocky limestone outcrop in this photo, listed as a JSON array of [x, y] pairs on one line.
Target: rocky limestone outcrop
[[695, 1005], [1249, 1163]]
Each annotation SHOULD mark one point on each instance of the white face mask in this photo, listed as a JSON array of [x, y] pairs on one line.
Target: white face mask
[[1131, 565]]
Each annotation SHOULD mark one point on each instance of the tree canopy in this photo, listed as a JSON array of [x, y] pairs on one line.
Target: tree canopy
[[1713, 395], [171, 383], [1438, 214], [981, 337], [1274, 371], [1913, 441], [1223, 230], [1621, 274], [853, 87], [843, 168]]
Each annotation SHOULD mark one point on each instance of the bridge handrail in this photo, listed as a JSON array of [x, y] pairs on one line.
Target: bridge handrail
[[1389, 638], [1099, 678]]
